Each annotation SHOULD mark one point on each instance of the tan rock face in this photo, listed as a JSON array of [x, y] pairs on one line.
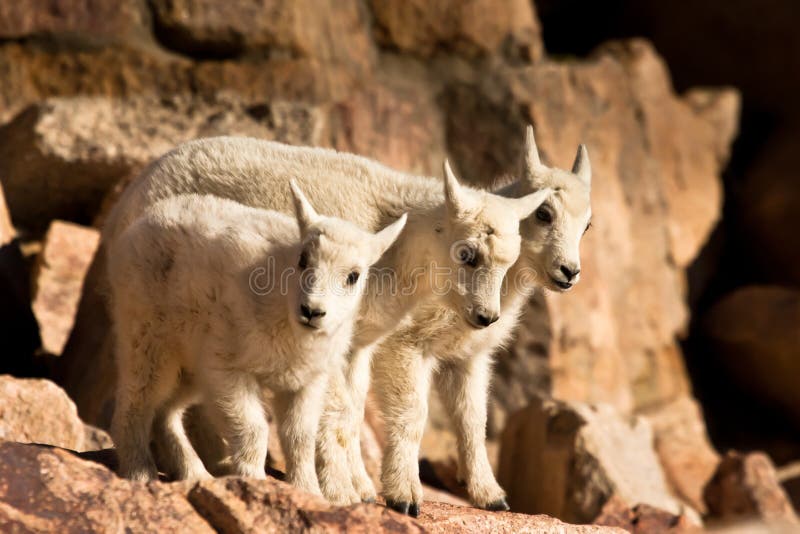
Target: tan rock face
[[38, 411], [746, 487], [568, 459], [66, 254], [754, 333]]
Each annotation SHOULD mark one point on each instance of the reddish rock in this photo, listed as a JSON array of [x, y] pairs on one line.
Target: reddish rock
[[476, 28], [52, 490], [61, 267], [445, 519], [643, 519], [238, 506], [746, 486], [38, 411], [44, 489], [753, 332]]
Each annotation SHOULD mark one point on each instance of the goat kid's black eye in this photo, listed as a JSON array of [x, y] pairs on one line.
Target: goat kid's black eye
[[468, 256], [303, 262], [544, 215], [352, 278]]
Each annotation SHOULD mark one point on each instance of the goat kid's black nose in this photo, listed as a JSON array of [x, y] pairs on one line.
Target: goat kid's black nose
[[310, 313], [486, 320], [570, 274]]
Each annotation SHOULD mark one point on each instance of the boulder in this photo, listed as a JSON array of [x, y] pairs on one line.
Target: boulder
[[67, 252], [745, 486], [471, 29], [753, 333], [60, 157], [46, 489], [568, 459], [38, 411]]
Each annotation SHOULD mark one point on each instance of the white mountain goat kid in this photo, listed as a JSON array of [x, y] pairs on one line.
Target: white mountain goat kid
[[456, 238], [213, 301], [437, 345]]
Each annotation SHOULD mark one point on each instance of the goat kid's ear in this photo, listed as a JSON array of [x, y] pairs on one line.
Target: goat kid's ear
[[455, 198], [582, 168], [304, 211], [526, 205], [386, 237]]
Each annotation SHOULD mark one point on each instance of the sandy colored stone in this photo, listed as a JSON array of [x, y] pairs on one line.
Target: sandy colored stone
[[38, 411], [61, 267], [684, 450], [568, 459]]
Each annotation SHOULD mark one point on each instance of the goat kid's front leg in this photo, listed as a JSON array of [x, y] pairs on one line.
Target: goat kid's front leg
[[464, 390], [235, 402], [145, 380], [402, 382], [174, 450], [358, 379], [333, 470], [298, 414]]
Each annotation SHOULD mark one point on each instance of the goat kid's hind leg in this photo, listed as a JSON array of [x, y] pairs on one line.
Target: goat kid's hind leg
[[464, 390], [298, 414], [358, 379], [234, 398], [146, 379], [333, 468], [402, 382], [174, 451]]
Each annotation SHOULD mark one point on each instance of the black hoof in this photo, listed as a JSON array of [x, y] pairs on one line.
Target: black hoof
[[398, 506], [413, 510], [369, 500], [500, 505]]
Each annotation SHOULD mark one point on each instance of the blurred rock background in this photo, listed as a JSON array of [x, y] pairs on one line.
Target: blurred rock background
[[615, 401]]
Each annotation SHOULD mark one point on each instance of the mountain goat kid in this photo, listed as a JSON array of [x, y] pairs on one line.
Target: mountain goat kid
[[213, 300]]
